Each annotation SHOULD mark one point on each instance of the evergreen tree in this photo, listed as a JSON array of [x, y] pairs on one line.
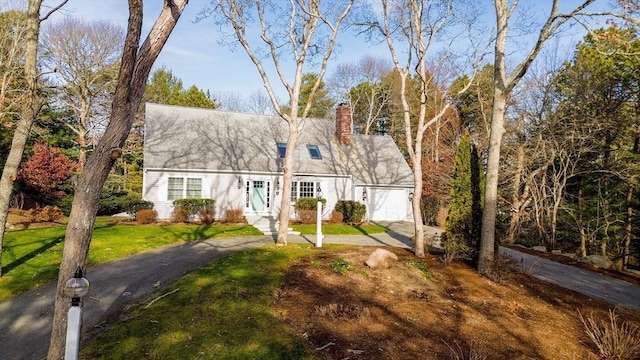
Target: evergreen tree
[[465, 206]]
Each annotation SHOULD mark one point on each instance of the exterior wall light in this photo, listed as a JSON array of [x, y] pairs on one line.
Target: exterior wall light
[[239, 182]]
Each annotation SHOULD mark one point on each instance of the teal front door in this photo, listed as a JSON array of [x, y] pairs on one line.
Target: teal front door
[[258, 198]]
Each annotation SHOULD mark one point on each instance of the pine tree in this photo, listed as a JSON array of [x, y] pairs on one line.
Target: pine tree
[[465, 206]]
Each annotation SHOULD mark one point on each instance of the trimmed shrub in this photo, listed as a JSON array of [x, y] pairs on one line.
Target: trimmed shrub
[[307, 216], [353, 212], [192, 206], [133, 207], [207, 215], [308, 203], [336, 217], [146, 216], [235, 215], [307, 209]]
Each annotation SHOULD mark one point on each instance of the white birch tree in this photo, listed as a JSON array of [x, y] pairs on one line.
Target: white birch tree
[[506, 77], [302, 33], [412, 28]]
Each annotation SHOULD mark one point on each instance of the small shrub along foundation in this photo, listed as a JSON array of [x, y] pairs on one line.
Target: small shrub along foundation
[[185, 210]]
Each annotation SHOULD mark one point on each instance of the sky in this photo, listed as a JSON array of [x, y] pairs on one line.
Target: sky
[[193, 52]]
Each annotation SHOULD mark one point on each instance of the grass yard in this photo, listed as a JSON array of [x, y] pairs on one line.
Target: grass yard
[[340, 229], [31, 257], [293, 302], [222, 311]]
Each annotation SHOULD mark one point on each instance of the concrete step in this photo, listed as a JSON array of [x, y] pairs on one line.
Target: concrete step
[[268, 225]]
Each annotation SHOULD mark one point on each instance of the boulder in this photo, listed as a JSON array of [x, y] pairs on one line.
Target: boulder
[[598, 261], [540, 248], [381, 258]]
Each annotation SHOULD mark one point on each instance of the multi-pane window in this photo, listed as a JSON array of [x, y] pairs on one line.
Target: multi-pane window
[[177, 190], [306, 189], [176, 186], [194, 188], [303, 189]]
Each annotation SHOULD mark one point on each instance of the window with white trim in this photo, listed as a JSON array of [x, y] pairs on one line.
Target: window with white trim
[[303, 189], [177, 190], [194, 188]]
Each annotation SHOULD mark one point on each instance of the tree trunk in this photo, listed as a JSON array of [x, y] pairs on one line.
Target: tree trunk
[[583, 236], [415, 204], [516, 201], [134, 71], [487, 238], [628, 233], [287, 178], [27, 117]]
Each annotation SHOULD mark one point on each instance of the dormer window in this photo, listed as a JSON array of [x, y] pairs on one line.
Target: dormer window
[[314, 152], [282, 149]]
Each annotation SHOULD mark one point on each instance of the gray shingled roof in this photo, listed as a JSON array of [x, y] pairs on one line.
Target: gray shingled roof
[[180, 138]]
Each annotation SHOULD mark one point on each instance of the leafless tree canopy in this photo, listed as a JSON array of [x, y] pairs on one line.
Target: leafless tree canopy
[[83, 57]]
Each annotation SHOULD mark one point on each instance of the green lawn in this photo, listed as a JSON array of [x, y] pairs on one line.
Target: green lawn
[[222, 311], [31, 257], [340, 229]]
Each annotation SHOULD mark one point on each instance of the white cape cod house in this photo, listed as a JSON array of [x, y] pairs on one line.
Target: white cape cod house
[[235, 158]]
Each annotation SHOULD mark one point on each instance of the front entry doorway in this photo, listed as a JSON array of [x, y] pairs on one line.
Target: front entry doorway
[[258, 194]]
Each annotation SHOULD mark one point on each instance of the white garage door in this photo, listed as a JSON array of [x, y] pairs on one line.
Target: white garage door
[[387, 204]]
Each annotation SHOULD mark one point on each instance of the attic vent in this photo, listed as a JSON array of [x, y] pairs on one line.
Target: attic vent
[[314, 152]]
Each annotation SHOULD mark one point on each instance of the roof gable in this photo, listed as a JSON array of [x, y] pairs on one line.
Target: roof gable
[[181, 138]]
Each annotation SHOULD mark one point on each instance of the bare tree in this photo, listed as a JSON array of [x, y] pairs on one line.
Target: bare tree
[[12, 51], [135, 66], [85, 57], [504, 82], [29, 110], [416, 25], [360, 85], [257, 102], [308, 35]]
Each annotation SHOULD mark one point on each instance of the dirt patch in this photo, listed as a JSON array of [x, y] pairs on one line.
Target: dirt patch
[[399, 313]]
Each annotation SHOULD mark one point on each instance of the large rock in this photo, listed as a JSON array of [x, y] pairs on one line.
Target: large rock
[[598, 261], [381, 258], [540, 248]]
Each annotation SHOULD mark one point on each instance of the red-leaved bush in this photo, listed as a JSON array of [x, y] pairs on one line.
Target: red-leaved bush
[[45, 171]]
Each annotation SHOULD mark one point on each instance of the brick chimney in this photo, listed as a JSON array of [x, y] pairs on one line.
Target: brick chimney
[[343, 124]]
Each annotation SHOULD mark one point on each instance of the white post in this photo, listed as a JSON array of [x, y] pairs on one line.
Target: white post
[[319, 224], [74, 323]]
